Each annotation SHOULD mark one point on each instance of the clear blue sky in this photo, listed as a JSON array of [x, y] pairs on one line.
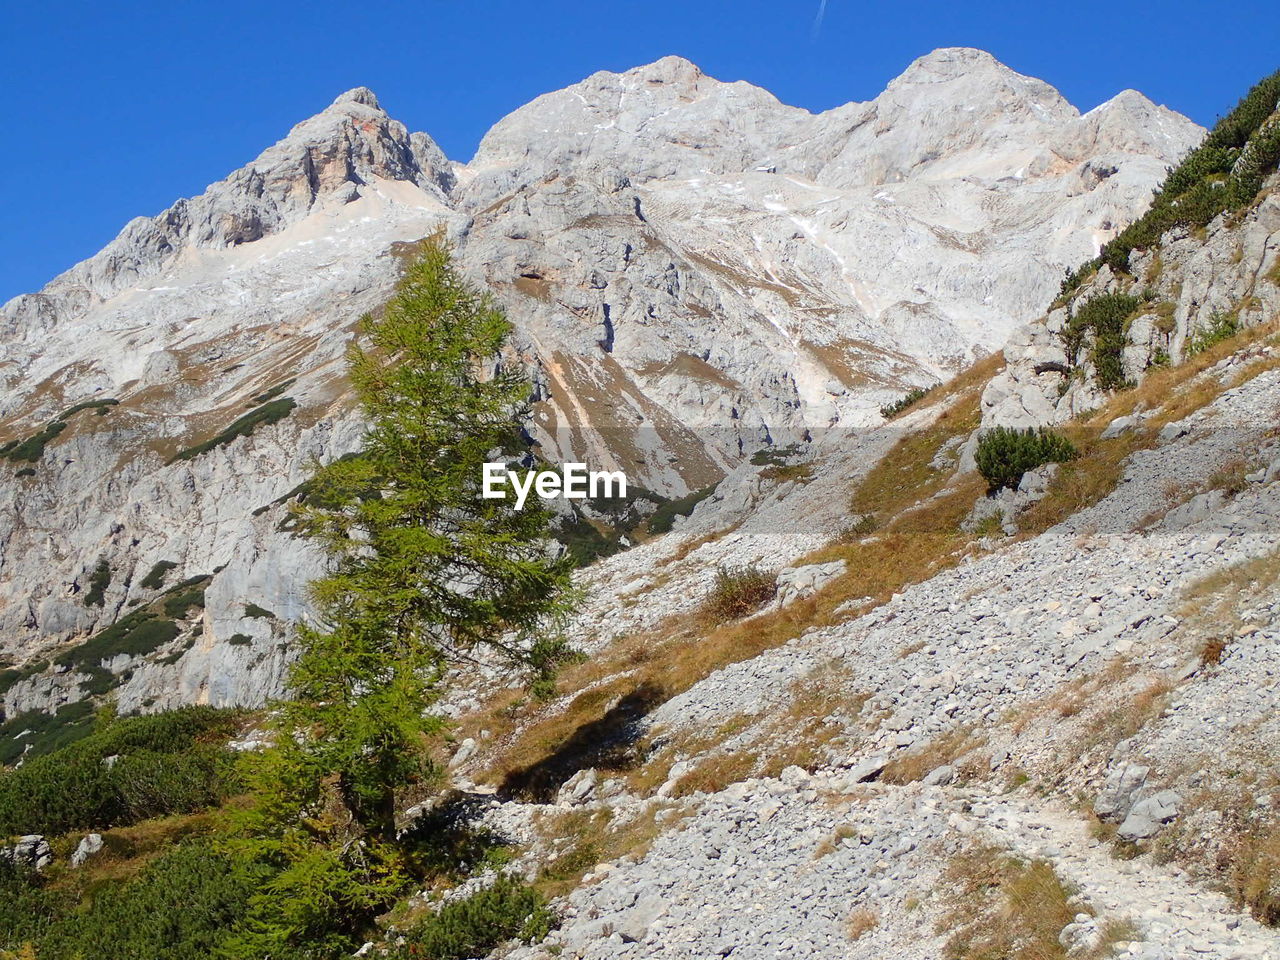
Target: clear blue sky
[[116, 110]]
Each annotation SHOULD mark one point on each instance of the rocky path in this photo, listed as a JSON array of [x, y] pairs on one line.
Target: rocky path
[[1175, 918]]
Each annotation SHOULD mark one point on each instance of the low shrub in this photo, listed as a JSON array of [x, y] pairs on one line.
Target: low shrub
[[167, 763], [1104, 318], [182, 906], [135, 634], [256, 612], [1004, 454], [155, 579], [188, 594], [664, 518], [35, 732], [508, 910], [264, 415], [1222, 326], [912, 397], [269, 395], [738, 591], [31, 449], [99, 580], [103, 407]]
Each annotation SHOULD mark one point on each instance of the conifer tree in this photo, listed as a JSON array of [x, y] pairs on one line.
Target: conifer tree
[[424, 574]]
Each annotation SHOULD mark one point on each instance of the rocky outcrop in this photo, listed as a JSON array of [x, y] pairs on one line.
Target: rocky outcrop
[[1192, 280]]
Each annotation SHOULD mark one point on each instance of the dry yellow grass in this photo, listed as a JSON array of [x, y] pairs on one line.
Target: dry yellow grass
[[1002, 906], [588, 838], [916, 763], [861, 922]]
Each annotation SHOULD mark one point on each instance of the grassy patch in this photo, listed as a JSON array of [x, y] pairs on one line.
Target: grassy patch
[[738, 591], [999, 905]]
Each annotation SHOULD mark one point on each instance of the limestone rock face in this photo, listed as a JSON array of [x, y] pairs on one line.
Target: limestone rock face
[[1191, 280], [695, 271]]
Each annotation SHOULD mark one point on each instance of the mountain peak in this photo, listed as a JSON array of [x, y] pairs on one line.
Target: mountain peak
[[361, 95], [668, 70], [949, 63]]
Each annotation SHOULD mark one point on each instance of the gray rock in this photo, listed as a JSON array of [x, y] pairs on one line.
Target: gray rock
[[634, 924], [940, 776], [1149, 815], [1119, 791], [89, 845], [31, 850]]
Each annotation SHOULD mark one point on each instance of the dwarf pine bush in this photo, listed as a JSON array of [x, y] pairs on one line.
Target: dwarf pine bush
[[1006, 453]]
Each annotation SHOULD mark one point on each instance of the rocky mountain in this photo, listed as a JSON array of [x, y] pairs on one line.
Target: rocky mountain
[[957, 721], [696, 272]]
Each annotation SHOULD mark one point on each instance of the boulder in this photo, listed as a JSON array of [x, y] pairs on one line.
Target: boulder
[[1120, 791], [89, 845], [31, 851], [1149, 815]]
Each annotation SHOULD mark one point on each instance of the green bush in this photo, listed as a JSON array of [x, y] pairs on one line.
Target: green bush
[[102, 406], [737, 591], [1106, 318], [180, 599], [181, 907], [274, 392], [1222, 326], [265, 415], [664, 518], [891, 410], [155, 579], [99, 580], [31, 449], [135, 634], [168, 763], [256, 612], [508, 910], [1005, 454], [35, 732]]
